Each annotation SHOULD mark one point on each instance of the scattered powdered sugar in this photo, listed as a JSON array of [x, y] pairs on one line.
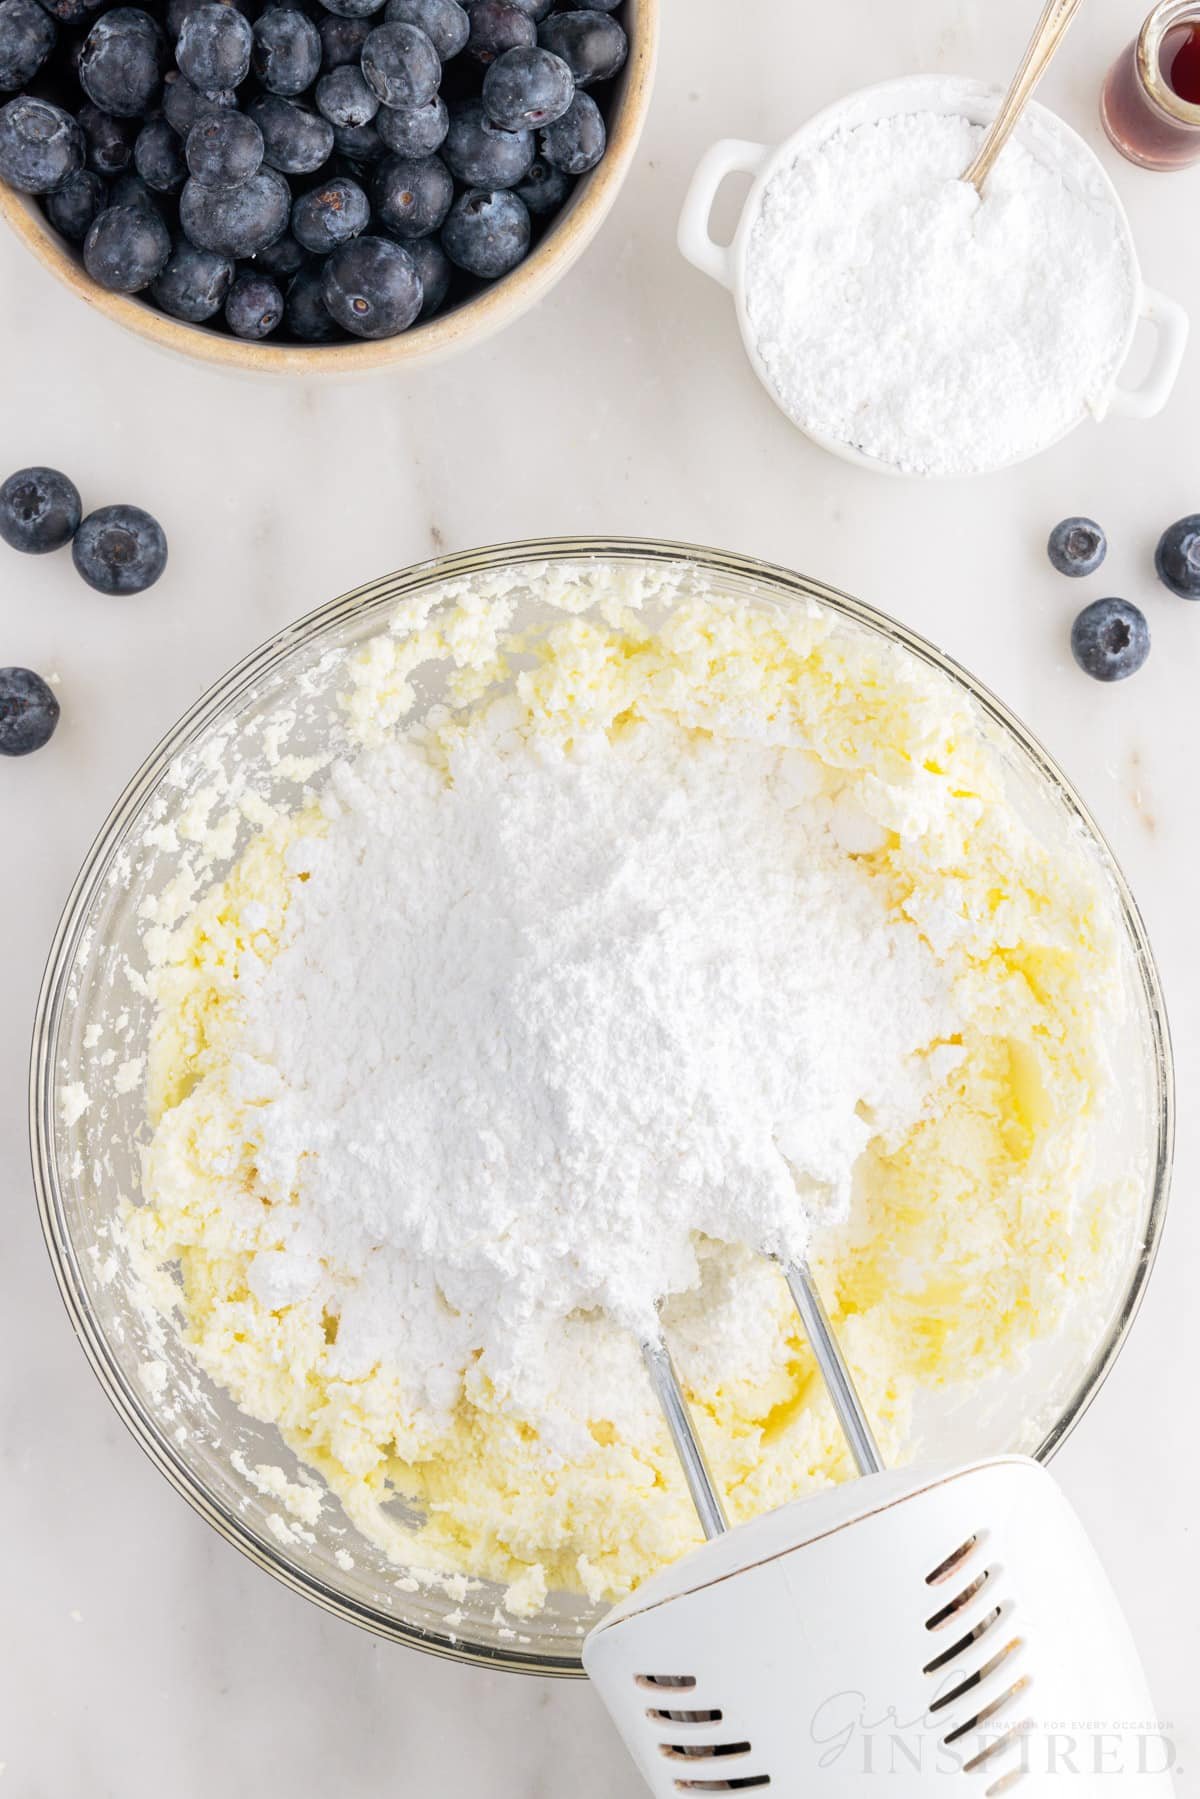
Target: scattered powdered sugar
[[539, 1018], [897, 312]]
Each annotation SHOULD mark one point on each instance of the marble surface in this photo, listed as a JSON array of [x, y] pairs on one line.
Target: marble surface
[[141, 1656]]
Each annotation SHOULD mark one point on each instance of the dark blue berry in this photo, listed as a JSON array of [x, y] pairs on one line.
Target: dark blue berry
[[122, 61], [544, 189], [434, 268], [193, 284], [592, 44], [282, 259], [236, 221], [359, 145], [130, 190], [158, 157], [28, 712], [1077, 546], [27, 36], [537, 9], [480, 154], [527, 88], [286, 55], [1110, 640], [486, 233], [125, 248], [255, 306], [444, 22], [224, 149], [497, 26], [345, 97], [183, 105], [575, 143], [297, 141], [355, 9], [371, 287], [1177, 557], [72, 207], [71, 12], [120, 549], [214, 47], [109, 140], [416, 130], [40, 145], [308, 317], [401, 65], [330, 215], [342, 39], [412, 197], [40, 510]]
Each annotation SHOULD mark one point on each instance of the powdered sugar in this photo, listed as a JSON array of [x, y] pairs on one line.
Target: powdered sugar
[[895, 311]]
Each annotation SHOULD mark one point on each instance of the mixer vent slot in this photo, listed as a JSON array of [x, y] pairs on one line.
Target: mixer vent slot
[[701, 1752], [991, 1750], [963, 1643], [958, 1602], [679, 1682], [975, 1679], [945, 1569], [661, 1717], [723, 1786]]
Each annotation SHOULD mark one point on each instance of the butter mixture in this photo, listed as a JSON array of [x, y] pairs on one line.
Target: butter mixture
[[672, 938]]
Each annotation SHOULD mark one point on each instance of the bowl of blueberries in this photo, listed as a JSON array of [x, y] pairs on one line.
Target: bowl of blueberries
[[317, 185]]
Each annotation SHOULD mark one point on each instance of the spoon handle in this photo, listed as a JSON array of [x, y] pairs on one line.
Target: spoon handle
[[1051, 29]]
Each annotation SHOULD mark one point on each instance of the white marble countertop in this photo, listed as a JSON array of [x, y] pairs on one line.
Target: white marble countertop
[[142, 1657]]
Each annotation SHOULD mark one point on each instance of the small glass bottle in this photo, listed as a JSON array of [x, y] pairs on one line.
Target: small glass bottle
[[1150, 105]]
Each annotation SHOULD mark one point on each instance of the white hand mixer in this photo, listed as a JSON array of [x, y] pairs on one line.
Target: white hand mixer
[[950, 1631]]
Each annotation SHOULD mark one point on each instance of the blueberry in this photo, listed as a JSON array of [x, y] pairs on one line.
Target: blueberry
[[71, 12], [1077, 546], [130, 190], [224, 149], [592, 44], [308, 317], [125, 248], [193, 284], [40, 145], [537, 9], [1177, 557], [341, 39], [497, 26], [575, 143], [297, 141], [359, 146], [109, 140], [183, 105], [27, 36], [416, 130], [486, 234], [544, 189], [214, 47], [72, 207], [122, 61], [286, 53], [282, 259], [434, 268], [411, 198], [444, 22], [28, 712], [255, 306], [480, 154], [120, 549], [330, 215], [371, 287], [401, 65], [158, 157], [355, 9], [527, 88], [344, 97], [1110, 639], [236, 221], [40, 510]]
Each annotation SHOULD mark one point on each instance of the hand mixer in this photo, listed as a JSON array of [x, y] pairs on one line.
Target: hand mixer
[[949, 1631]]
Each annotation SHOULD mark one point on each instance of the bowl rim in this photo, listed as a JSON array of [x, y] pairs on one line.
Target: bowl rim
[[469, 323], [380, 596]]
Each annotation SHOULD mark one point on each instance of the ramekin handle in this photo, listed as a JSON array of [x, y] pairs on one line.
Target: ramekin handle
[[733, 155], [1152, 392]]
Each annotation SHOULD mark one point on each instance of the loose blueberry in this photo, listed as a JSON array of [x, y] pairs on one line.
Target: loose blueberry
[[575, 143], [1110, 640], [255, 306], [158, 157], [120, 549], [184, 105], [330, 215], [130, 190], [1077, 546], [236, 221], [401, 65], [527, 88], [480, 154], [286, 52], [412, 198], [40, 510], [224, 149], [344, 97], [193, 284], [308, 317], [414, 131], [122, 61], [371, 287], [40, 145], [592, 44], [537, 9], [72, 207], [27, 36], [28, 712], [486, 233], [71, 12], [356, 9], [435, 270], [214, 47], [282, 259], [497, 26], [297, 141], [1177, 557], [109, 140], [544, 189], [125, 248], [342, 39], [444, 22], [359, 146]]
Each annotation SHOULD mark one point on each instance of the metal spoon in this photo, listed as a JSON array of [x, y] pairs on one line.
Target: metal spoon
[[1051, 29]]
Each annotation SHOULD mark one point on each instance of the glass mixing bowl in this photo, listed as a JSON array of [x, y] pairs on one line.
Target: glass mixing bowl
[[93, 1013]]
